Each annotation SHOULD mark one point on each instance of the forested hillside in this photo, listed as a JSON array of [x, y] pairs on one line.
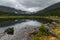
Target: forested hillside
[[54, 12]]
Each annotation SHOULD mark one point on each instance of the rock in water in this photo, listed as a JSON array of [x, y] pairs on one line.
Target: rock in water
[[9, 31]]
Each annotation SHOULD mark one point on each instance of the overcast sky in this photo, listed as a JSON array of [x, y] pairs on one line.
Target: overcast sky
[[28, 5]]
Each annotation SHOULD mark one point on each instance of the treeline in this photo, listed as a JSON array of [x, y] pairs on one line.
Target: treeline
[[2, 13]]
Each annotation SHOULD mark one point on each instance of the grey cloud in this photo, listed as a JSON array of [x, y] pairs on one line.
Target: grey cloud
[[28, 5], [38, 3]]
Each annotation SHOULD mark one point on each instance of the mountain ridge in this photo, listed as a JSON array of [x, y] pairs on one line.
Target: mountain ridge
[[9, 9], [54, 6]]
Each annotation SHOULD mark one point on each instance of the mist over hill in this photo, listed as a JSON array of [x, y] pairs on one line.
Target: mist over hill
[[9, 9]]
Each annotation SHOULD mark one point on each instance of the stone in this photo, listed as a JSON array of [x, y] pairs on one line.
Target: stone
[[9, 31]]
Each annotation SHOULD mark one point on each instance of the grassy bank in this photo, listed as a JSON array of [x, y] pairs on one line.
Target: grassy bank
[[42, 36]]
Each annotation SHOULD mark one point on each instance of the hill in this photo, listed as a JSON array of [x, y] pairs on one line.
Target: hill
[[53, 10], [9, 9]]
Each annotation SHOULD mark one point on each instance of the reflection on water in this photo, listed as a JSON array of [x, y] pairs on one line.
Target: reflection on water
[[21, 30], [4, 23], [8, 22]]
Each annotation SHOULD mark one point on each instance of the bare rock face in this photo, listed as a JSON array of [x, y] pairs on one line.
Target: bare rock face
[[9, 31]]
